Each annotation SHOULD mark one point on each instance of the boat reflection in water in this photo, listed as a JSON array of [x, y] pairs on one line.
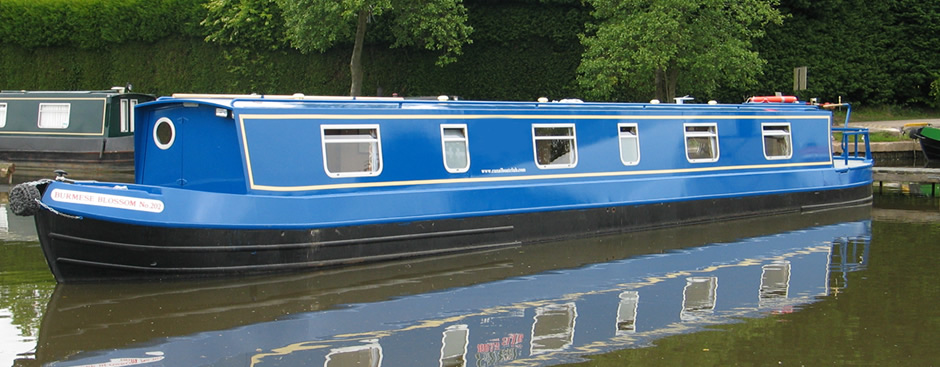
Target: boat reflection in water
[[540, 304]]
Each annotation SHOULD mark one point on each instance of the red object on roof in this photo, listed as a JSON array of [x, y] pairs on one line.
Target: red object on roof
[[773, 99]]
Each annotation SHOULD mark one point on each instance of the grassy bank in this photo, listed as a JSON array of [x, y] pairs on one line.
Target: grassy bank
[[886, 113], [879, 136]]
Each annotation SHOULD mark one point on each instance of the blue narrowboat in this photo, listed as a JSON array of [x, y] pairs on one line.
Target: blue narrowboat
[[253, 184]]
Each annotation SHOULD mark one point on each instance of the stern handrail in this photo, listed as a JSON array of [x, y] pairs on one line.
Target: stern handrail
[[855, 132]]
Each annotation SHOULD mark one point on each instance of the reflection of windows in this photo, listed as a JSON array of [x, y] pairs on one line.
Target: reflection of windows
[[454, 346], [3, 115], [553, 329], [456, 148], [626, 312], [701, 142], [352, 150], [555, 146], [775, 280], [629, 144], [368, 355], [54, 115], [777, 142], [698, 297]]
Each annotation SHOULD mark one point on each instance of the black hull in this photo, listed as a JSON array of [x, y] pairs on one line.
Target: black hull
[[50, 148], [929, 146], [931, 149], [112, 171], [82, 250], [95, 158]]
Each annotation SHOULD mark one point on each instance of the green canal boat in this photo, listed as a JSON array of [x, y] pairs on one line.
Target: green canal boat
[[46, 130], [929, 138]]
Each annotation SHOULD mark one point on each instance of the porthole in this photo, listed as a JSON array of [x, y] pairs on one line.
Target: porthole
[[164, 133]]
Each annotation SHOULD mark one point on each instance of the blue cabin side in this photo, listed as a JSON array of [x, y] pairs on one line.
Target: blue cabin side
[[187, 144], [313, 147]]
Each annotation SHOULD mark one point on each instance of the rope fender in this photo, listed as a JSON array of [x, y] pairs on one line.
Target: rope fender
[[24, 198]]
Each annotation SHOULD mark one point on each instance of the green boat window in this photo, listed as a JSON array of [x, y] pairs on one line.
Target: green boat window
[[127, 115], [3, 115], [777, 141], [350, 151], [132, 118], [54, 115]]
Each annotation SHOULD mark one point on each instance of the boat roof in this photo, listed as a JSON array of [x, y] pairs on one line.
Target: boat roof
[[67, 93], [300, 101]]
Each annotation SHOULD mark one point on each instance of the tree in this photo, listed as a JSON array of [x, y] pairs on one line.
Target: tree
[[316, 25], [249, 31], [660, 46], [914, 42]]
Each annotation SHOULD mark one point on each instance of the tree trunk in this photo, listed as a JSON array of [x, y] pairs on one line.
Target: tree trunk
[[666, 82], [355, 63], [660, 83], [672, 79]]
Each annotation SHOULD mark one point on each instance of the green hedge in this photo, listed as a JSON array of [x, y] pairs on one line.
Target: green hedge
[[520, 62], [866, 52], [96, 24], [170, 65]]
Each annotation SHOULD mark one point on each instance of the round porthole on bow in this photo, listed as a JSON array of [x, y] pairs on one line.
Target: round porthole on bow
[[164, 133]]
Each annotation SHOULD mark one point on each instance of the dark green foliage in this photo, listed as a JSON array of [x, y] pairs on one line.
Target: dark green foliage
[[914, 36], [252, 24], [866, 52], [863, 51], [96, 24], [526, 49], [171, 65]]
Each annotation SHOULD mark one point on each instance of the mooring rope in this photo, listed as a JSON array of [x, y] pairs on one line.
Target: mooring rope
[[47, 207]]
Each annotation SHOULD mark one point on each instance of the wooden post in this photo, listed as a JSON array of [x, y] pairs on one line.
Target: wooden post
[[6, 170]]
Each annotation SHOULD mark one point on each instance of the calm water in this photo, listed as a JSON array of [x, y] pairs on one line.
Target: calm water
[[847, 287]]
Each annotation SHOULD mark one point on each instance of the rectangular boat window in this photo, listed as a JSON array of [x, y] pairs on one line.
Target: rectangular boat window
[[701, 142], [777, 141], [456, 148], [3, 115], [629, 144], [124, 116], [54, 115], [133, 121], [555, 146], [352, 150]]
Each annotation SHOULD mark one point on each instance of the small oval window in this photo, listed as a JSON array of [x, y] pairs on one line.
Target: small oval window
[[164, 133]]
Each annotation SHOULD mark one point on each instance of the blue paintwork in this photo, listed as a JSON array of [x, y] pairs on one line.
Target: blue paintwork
[[203, 178]]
